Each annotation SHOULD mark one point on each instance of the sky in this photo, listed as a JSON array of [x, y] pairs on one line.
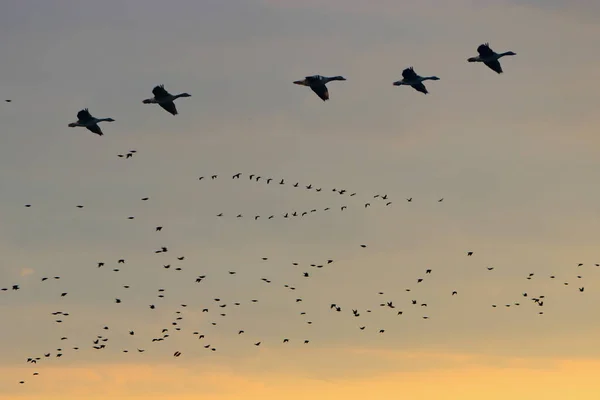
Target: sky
[[514, 156]]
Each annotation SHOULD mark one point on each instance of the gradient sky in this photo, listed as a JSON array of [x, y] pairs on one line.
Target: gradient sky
[[514, 156]]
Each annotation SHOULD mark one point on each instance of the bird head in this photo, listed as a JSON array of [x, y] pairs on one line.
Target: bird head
[[109, 120], [302, 82], [72, 125], [185, 95]]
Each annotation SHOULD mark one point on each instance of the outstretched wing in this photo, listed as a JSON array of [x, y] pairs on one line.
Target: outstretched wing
[[484, 50], [159, 91], [169, 106], [84, 115], [95, 129], [419, 87], [494, 65], [409, 73], [321, 90]]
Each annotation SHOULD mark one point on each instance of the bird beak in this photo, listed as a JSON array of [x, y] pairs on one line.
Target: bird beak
[[299, 82]]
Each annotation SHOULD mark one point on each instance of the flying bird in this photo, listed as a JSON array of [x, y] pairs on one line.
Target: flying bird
[[85, 119], [165, 99], [490, 58], [317, 84], [410, 78]]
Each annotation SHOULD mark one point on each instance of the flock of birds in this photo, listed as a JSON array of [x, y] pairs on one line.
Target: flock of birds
[[317, 83], [221, 307]]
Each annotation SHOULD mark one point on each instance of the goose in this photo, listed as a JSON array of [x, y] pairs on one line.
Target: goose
[[165, 99], [490, 58], [317, 84], [85, 119], [411, 78]]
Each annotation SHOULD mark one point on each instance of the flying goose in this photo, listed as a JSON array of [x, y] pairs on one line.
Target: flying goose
[[490, 58], [317, 84], [165, 99], [411, 78], [85, 119]]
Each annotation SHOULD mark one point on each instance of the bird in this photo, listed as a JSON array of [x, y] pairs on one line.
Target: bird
[[85, 119], [410, 78], [490, 58], [165, 99], [317, 84]]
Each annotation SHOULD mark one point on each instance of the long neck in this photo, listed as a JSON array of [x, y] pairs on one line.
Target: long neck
[[178, 96], [429, 78], [332, 78], [506, 53], [102, 119]]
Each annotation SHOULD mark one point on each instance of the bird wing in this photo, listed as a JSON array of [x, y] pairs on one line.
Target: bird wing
[[321, 90], [494, 66], [484, 50], [409, 73], [95, 129], [169, 106], [419, 87], [159, 91], [84, 115]]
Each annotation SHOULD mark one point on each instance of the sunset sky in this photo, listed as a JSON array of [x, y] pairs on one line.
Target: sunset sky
[[515, 157]]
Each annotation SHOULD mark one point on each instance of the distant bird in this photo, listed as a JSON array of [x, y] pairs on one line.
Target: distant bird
[[410, 78], [317, 84], [490, 58], [85, 119], [165, 99]]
